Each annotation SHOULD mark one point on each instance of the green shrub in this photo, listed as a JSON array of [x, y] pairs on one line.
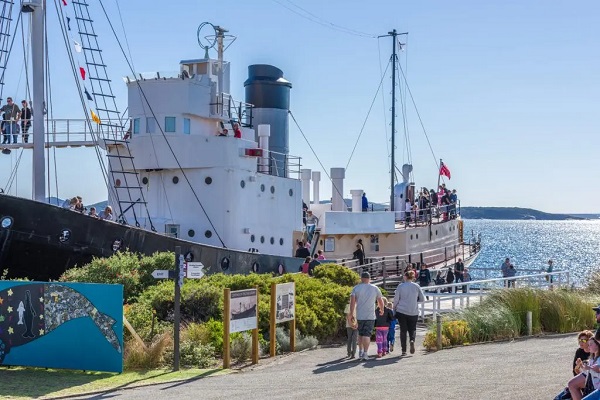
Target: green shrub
[[337, 274], [136, 356], [302, 342], [488, 321], [193, 355], [519, 301], [241, 347], [563, 311], [213, 334]]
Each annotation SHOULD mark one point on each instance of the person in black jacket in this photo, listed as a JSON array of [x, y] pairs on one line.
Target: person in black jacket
[[583, 351], [359, 255], [301, 251], [382, 327], [424, 276]]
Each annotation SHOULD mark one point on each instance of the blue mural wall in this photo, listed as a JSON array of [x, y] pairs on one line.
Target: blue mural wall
[[61, 325]]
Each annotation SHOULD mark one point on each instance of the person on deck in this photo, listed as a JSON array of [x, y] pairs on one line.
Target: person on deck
[[12, 113], [365, 203], [237, 132], [311, 224], [107, 214], [301, 251], [359, 255], [26, 115]]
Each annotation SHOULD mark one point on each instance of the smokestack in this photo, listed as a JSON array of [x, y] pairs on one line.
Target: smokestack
[[305, 177], [316, 178], [337, 189]]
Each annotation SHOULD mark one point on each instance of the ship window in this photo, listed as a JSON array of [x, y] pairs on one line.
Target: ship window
[[417, 235], [145, 180], [411, 237], [208, 234], [186, 126], [281, 241], [272, 240], [374, 242], [291, 192], [136, 125], [262, 187], [255, 267], [252, 238], [273, 189], [224, 263], [191, 233], [175, 180], [170, 123], [208, 180], [172, 230], [150, 125], [243, 184], [436, 232], [262, 239]]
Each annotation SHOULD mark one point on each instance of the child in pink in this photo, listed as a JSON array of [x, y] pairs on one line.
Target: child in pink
[[382, 326]]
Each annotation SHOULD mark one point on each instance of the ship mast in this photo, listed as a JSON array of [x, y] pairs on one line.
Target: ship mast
[[37, 10]]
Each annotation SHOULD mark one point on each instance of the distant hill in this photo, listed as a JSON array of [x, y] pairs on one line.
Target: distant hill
[[513, 213]]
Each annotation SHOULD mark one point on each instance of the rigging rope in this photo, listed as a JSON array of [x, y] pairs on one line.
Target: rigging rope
[[8, 55], [387, 139], [160, 127], [367, 117], [323, 22]]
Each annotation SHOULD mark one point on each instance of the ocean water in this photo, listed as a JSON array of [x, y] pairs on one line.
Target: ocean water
[[572, 245]]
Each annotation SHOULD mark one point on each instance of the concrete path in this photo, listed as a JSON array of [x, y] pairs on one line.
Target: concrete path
[[526, 369]]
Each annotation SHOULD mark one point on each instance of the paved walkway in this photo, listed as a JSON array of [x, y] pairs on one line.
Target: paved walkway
[[526, 369]]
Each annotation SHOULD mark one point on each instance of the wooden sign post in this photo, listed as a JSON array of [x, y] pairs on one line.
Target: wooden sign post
[[240, 313], [283, 308], [255, 349], [226, 320]]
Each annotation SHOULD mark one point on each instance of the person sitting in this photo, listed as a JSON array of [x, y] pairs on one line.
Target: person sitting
[[320, 255], [312, 265], [304, 268], [107, 214], [93, 213], [588, 381], [583, 351]]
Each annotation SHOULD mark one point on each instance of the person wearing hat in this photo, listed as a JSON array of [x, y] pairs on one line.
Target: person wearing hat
[[362, 302]]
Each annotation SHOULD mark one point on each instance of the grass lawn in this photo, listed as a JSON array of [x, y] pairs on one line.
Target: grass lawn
[[34, 383]]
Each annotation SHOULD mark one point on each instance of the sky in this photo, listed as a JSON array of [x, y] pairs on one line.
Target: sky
[[508, 91]]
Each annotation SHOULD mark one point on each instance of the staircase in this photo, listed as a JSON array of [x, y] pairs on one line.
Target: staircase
[[125, 179]]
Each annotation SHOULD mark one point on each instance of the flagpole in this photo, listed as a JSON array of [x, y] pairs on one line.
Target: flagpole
[[439, 175]]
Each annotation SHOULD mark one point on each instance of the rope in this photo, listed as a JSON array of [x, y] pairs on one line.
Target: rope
[[387, 139], [367, 117], [8, 54], [161, 129]]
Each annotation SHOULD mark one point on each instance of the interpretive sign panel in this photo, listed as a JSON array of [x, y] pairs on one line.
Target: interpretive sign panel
[[195, 270], [286, 302], [61, 325], [243, 311]]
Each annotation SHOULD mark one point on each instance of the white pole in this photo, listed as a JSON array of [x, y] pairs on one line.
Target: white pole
[[316, 178], [356, 200], [264, 131], [37, 61], [305, 175]]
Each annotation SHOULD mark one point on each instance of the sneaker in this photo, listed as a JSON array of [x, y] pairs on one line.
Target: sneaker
[[412, 347], [365, 356], [379, 355], [360, 354], [404, 353], [391, 348], [352, 356]]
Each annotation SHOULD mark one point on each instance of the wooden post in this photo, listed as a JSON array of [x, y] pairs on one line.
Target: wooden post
[[255, 335], [438, 321], [529, 323], [177, 305], [293, 333], [272, 334], [226, 321]]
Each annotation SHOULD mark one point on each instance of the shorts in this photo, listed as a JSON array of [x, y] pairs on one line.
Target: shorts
[[365, 327]]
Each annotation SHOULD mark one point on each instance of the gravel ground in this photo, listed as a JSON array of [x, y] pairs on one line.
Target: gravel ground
[[536, 368]]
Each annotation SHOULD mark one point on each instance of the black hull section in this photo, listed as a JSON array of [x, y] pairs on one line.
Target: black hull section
[[45, 240]]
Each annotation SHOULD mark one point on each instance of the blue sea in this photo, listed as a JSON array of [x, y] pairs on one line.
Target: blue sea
[[572, 245]]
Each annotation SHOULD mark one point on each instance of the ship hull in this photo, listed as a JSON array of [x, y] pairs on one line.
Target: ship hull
[[43, 241]]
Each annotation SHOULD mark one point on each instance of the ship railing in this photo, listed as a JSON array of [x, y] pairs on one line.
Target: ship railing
[[280, 164], [225, 107], [393, 265], [456, 296]]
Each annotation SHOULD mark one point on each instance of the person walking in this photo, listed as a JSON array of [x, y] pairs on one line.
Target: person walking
[[459, 272], [382, 327], [392, 332], [365, 203], [362, 302], [351, 331], [359, 255], [504, 267], [408, 295]]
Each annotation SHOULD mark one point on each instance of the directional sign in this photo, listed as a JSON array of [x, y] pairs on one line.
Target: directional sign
[[162, 274], [194, 270]]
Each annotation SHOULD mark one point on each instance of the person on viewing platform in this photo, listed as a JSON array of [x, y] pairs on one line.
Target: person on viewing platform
[[459, 269], [359, 255], [237, 132], [26, 115], [548, 270], [362, 301], [301, 251], [93, 212], [511, 273], [107, 214], [365, 203], [406, 298], [11, 114]]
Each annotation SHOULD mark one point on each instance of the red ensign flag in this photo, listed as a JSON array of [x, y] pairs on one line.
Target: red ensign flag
[[444, 170]]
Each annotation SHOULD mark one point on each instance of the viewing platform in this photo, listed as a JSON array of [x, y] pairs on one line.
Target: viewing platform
[[69, 133]]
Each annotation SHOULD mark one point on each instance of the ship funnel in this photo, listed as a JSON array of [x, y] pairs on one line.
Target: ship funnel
[[269, 92]]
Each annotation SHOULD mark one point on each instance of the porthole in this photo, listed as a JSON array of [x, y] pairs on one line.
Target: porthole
[[272, 240], [145, 180], [208, 234], [262, 187], [262, 239], [208, 180], [65, 235], [225, 263], [417, 236], [255, 267], [272, 189], [7, 222], [411, 237], [117, 182], [243, 184], [436, 232], [191, 233], [252, 238], [281, 269], [175, 180], [281, 241], [291, 192], [189, 256]]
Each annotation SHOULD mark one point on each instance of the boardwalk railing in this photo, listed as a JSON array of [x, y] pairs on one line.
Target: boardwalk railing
[[446, 298]]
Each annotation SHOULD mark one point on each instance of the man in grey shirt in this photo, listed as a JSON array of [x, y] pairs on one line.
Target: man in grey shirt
[[362, 300]]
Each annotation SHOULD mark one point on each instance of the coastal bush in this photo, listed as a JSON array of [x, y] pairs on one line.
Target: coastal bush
[[136, 356], [337, 274], [124, 268], [302, 342], [565, 311], [241, 347], [519, 301], [488, 322]]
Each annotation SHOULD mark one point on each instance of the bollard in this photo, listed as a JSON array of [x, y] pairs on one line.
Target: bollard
[[529, 323], [438, 321]]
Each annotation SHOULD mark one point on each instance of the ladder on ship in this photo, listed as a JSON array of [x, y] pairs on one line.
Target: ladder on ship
[[5, 22], [125, 179]]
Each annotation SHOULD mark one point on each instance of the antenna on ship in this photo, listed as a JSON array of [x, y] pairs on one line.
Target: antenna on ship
[[394, 35], [208, 41]]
